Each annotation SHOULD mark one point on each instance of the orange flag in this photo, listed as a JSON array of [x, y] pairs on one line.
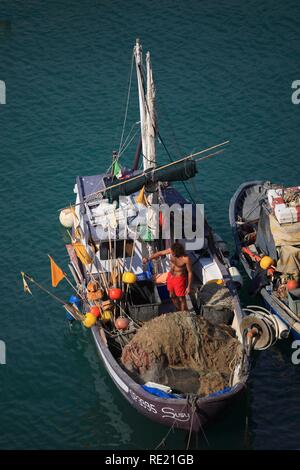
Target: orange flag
[[57, 274], [141, 197]]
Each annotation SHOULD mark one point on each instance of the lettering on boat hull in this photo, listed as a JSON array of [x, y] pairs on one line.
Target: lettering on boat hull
[[171, 413]]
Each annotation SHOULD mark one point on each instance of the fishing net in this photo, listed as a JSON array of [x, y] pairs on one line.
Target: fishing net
[[184, 351]]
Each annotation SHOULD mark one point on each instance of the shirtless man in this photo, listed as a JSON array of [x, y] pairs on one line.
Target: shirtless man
[[180, 277]]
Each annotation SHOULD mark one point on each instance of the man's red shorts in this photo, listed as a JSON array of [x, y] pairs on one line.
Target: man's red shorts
[[177, 285]]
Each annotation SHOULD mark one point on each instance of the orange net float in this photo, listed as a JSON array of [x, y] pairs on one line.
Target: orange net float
[[93, 291], [266, 262], [92, 286]]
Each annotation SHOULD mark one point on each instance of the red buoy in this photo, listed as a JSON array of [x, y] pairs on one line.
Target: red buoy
[[115, 293], [95, 311], [292, 284]]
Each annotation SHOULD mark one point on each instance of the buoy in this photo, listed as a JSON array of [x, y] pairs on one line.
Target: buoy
[[115, 293], [106, 316], [75, 300], [66, 217], [266, 262], [292, 284], [89, 320], [92, 286], [95, 311], [128, 278], [94, 291], [215, 281], [106, 304], [121, 323]]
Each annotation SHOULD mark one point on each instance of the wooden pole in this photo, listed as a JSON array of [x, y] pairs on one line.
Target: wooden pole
[[44, 289]]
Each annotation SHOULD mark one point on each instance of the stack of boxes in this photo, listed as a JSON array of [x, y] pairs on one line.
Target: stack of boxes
[[283, 213]]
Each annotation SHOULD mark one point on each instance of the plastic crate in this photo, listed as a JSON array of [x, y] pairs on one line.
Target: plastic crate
[[294, 301], [143, 312]]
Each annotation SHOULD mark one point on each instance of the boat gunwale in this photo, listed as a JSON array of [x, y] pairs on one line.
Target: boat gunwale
[[130, 383]]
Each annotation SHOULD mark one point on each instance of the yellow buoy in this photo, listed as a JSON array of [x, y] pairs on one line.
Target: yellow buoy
[[106, 316], [66, 217], [89, 320], [266, 262], [128, 278]]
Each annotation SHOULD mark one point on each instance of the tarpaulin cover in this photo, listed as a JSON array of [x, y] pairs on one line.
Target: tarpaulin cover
[[287, 234]]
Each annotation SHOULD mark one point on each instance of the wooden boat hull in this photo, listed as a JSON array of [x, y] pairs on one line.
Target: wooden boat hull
[[190, 413], [269, 299]]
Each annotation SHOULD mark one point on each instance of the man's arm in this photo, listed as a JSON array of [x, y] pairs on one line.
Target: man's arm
[[158, 254], [190, 275]]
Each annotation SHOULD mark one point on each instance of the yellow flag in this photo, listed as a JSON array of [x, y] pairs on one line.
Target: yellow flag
[[25, 285], [57, 274], [81, 252], [141, 197]]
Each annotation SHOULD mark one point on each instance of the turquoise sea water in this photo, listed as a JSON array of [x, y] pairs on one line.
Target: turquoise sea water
[[223, 70]]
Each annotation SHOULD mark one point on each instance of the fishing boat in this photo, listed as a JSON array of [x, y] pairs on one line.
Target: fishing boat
[[119, 219], [266, 227]]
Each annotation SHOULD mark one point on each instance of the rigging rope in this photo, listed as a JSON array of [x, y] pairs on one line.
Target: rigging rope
[[127, 105], [127, 145], [171, 160]]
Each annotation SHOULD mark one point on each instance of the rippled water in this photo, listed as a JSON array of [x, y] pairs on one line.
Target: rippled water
[[222, 70]]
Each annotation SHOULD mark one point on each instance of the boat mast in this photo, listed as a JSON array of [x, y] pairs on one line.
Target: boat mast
[[151, 115], [147, 107]]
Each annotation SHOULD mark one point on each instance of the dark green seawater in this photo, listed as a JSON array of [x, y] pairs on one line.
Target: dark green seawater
[[223, 70]]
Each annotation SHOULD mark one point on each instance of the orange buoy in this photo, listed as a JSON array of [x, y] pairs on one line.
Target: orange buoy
[[121, 323], [92, 286], [266, 262]]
